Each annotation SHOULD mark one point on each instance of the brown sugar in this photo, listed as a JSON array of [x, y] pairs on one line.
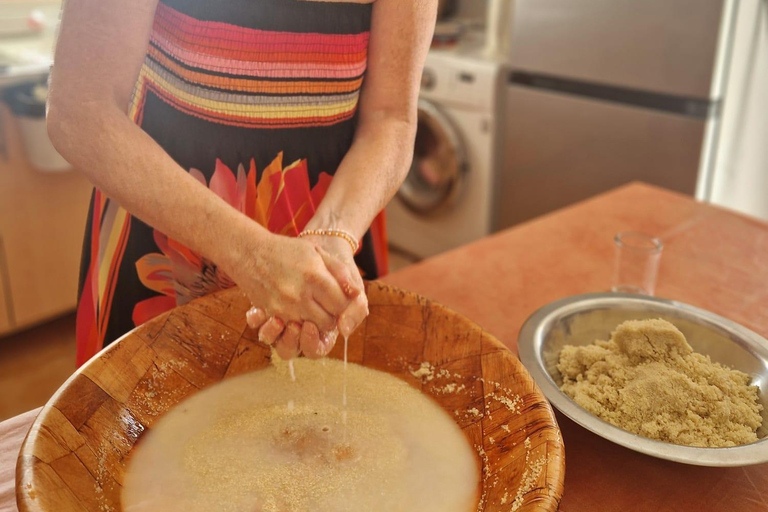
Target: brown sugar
[[648, 380]]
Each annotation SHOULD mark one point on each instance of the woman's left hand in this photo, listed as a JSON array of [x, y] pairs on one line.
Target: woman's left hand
[[340, 261]]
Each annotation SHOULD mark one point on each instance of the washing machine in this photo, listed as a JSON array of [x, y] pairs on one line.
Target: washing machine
[[446, 199]]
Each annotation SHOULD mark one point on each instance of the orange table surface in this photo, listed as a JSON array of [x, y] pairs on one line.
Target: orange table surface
[[713, 258]]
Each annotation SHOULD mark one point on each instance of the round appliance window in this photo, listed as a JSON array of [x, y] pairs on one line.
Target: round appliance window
[[439, 163]]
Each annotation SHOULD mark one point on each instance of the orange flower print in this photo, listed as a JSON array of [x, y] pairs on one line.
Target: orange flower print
[[282, 201]]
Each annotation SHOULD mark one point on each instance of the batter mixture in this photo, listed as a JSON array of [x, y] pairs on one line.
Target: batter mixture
[[261, 442]]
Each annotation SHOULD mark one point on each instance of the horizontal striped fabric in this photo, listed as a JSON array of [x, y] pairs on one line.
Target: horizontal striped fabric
[[249, 77]]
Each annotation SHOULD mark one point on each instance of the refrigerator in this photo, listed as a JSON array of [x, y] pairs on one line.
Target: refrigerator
[[600, 93]]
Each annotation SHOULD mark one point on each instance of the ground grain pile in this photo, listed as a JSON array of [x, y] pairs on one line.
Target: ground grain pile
[[648, 380]]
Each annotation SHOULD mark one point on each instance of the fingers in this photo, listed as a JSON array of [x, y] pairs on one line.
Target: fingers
[[318, 315], [328, 341], [353, 316], [287, 346], [271, 330], [255, 317], [310, 343], [329, 295], [315, 344], [334, 292], [341, 273]]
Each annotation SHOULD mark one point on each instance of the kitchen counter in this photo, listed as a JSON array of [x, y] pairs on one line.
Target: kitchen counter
[[713, 259]]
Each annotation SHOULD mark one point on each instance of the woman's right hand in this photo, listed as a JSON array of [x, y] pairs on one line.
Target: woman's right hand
[[288, 280]]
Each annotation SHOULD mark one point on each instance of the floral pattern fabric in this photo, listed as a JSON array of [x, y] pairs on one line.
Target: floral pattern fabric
[[282, 201]]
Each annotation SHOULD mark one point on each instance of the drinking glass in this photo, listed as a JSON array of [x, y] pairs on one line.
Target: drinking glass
[[637, 263]]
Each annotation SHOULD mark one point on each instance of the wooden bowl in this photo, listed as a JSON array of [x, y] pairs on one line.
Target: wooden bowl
[[74, 456]]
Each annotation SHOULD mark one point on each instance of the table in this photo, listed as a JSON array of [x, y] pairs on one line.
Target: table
[[12, 433], [714, 259]]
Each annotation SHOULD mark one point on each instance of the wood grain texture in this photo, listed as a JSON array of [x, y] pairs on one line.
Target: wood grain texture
[[74, 457]]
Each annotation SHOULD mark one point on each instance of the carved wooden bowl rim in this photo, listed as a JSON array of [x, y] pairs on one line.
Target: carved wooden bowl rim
[[74, 454]]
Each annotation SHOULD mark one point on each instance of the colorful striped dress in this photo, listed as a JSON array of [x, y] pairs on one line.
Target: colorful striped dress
[[256, 99]]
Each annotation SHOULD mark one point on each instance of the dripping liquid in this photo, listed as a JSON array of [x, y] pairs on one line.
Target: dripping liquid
[[322, 362], [344, 391], [344, 395], [292, 370]]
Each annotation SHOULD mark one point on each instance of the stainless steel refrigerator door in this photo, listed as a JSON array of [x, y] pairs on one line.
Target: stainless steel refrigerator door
[[559, 149], [664, 46]]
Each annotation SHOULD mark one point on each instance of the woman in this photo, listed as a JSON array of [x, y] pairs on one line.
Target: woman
[[213, 129]]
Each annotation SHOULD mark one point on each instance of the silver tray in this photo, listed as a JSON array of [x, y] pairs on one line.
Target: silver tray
[[582, 319]]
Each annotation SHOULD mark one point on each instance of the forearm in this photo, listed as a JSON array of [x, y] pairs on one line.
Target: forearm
[[129, 167], [368, 177]]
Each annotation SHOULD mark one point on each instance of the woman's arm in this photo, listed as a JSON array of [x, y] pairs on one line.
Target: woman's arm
[[100, 50], [379, 159], [381, 154]]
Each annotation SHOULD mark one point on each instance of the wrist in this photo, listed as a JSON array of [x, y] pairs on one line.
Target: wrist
[[331, 219], [241, 241], [331, 237]]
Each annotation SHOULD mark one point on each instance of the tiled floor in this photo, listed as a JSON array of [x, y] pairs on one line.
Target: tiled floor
[[34, 363]]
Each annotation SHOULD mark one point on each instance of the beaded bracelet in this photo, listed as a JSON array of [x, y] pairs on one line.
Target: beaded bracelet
[[340, 233]]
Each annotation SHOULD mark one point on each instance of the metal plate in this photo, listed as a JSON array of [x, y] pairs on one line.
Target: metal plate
[[582, 319]]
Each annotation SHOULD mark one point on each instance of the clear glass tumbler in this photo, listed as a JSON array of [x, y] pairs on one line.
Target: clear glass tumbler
[[637, 263]]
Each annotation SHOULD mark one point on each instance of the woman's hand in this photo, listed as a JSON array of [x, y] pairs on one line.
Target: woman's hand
[[292, 338], [340, 261], [289, 281]]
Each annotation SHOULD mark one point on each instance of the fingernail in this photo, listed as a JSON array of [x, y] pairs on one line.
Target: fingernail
[[250, 317], [327, 341], [331, 336]]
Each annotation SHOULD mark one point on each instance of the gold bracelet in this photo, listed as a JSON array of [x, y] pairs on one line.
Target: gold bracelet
[[340, 233]]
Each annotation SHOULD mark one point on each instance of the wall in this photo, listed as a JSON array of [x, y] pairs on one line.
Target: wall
[[471, 8], [741, 165]]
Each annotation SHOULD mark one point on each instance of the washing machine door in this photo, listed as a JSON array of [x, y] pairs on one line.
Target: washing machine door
[[439, 166]]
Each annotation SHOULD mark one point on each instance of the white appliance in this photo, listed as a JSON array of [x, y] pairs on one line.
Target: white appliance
[[604, 92], [446, 199], [740, 180]]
